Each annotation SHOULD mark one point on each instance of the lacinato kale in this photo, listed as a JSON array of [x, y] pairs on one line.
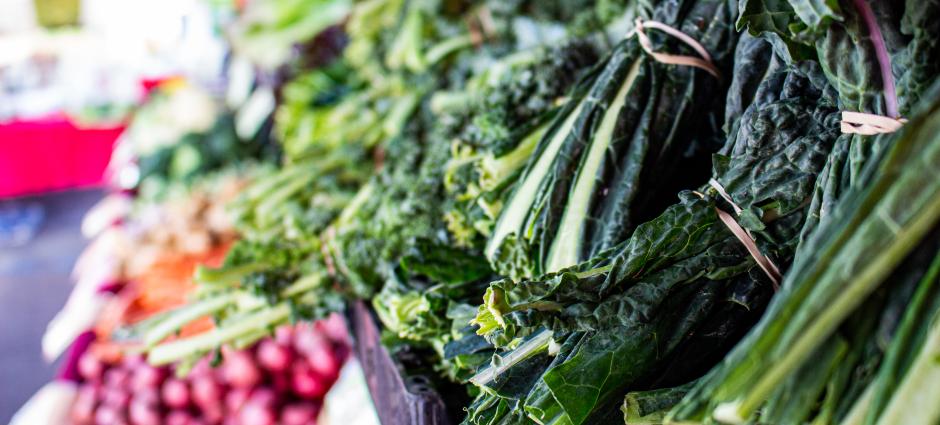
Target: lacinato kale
[[634, 132], [643, 312], [849, 282]]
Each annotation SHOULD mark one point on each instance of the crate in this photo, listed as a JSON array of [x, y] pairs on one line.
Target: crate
[[398, 400]]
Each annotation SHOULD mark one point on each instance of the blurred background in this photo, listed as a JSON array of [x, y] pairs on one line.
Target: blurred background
[[125, 125]]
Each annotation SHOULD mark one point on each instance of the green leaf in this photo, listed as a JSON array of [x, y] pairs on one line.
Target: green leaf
[[761, 16]]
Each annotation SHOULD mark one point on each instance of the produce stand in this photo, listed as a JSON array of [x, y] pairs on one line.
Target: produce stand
[[540, 212]]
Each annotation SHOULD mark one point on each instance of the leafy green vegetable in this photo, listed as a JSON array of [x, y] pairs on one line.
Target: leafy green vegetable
[[267, 32], [631, 123], [648, 407], [359, 203], [866, 47], [197, 154], [501, 116]]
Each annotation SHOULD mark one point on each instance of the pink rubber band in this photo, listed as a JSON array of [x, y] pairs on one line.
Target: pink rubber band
[[869, 124], [745, 237], [705, 62]]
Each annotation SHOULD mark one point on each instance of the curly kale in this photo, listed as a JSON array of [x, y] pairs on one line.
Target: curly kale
[[494, 136], [534, 87]]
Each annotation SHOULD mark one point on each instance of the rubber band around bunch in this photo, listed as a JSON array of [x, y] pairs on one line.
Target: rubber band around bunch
[[745, 236], [703, 62]]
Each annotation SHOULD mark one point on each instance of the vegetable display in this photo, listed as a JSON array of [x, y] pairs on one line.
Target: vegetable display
[[279, 380], [594, 212]]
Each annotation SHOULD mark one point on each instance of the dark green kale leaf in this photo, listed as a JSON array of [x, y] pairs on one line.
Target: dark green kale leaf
[[859, 63], [445, 263]]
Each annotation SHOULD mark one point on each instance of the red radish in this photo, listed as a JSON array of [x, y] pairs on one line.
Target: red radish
[[239, 370], [236, 398], [147, 396], [342, 352], [133, 361], [142, 413], [92, 391], [108, 415], [323, 359], [175, 393], [90, 368], [146, 376], [280, 381], [116, 397], [334, 327], [318, 351], [284, 335], [263, 396], [307, 383], [202, 368], [273, 356], [206, 391], [306, 340], [301, 413], [178, 417], [257, 414], [213, 414], [83, 409]]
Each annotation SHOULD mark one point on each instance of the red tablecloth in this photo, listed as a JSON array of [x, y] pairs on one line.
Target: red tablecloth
[[52, 154]]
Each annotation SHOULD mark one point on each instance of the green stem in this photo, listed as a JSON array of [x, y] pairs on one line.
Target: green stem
[[868, 278], [180, 317], [443, 49], [915, 400], [205, 342], [532, 346], [231, 275]]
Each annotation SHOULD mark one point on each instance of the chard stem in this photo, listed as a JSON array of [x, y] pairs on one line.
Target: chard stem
[[884, 60]]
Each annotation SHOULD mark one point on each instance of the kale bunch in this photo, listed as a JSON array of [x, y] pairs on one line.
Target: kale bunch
[[660, 308]]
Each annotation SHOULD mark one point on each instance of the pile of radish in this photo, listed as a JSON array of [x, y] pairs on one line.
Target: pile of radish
[[280, 380]]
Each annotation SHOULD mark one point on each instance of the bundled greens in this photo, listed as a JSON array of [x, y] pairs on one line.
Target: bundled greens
[[874, 229], [633, 321], [837, 387], [611, 158]]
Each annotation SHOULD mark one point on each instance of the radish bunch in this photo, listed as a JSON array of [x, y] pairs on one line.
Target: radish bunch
[[280, 380]]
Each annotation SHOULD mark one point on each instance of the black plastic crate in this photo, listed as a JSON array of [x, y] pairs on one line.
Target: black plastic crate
[[398, 399]]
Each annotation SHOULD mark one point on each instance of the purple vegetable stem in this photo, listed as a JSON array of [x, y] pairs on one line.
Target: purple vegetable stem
[[881, 52], [110, 287], [69, 369]]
